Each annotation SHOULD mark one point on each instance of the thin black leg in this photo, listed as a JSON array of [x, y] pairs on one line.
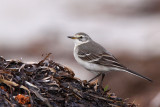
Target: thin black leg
[[95, 77], [103, 75]]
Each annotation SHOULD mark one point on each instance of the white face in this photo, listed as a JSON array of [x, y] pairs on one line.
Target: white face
[[80, 39]]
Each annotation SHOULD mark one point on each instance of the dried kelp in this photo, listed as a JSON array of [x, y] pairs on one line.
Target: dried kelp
[[49, 84]]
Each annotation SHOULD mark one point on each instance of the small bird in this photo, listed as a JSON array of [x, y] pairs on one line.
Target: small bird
[[93, 57]]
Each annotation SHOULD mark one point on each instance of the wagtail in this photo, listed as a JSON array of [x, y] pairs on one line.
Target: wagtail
[[96, 58]]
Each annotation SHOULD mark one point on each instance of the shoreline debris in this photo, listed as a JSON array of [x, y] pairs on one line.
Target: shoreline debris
[[49, 84]]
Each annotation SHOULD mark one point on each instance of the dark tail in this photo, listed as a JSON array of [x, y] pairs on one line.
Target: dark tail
[[136, 74]]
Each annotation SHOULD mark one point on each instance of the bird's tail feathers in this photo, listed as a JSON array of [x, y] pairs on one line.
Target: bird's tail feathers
[[137, 74]]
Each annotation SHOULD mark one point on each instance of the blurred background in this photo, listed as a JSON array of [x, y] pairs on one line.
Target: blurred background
[[129, 29]]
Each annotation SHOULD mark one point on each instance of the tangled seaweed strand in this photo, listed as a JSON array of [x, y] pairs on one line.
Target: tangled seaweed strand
[[49, 84]]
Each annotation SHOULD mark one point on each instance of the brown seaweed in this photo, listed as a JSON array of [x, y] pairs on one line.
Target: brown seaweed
[[49, 84]]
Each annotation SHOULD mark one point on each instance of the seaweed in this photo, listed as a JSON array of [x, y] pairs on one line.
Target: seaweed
[[49, 84]]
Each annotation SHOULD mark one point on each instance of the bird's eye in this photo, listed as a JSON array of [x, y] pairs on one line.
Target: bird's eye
[[80, 37]]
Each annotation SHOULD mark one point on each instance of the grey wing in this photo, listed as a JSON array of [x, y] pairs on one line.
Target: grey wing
[[110, 61], [105, 59], [86, 56]]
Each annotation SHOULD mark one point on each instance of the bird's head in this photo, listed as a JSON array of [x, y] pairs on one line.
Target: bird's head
[[80, 38]]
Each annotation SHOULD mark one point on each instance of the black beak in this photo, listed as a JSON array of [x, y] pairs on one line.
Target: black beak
[[72, 37]]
